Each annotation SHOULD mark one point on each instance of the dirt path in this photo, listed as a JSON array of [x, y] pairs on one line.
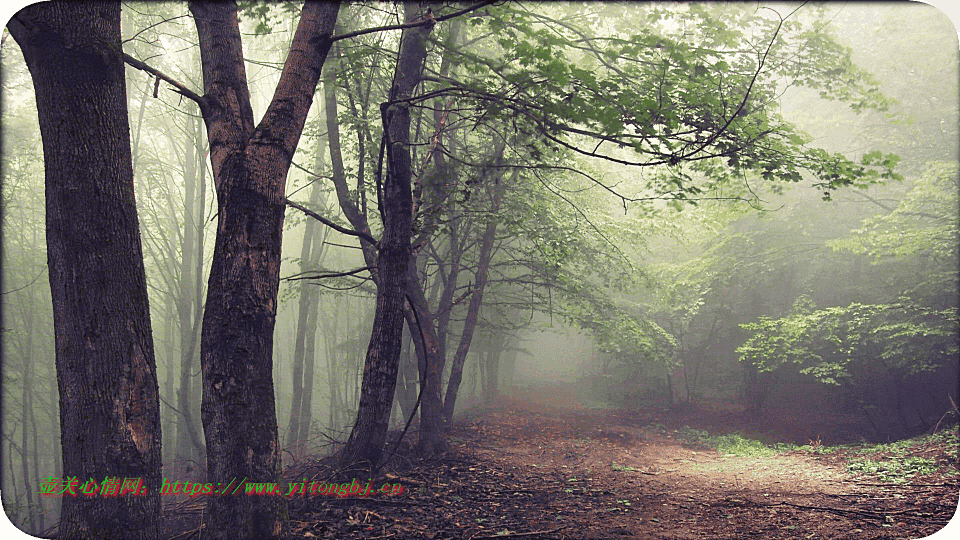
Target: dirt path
[[613, 473], [617, 474], [546, 467]]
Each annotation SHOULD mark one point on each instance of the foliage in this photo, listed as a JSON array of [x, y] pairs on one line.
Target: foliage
[[916, 241], [693, 91], [901, 460], [895, 470], [830, 343]]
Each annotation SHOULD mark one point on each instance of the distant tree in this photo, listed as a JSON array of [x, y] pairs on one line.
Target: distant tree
[[109, 406], [862, 349], [365, 444]]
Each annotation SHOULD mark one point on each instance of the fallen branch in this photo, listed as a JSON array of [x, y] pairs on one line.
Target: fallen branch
[[516, 535]]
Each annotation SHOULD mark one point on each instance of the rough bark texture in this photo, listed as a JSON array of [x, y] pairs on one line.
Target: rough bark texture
[[109, 406], [250, 168], [365, 445]]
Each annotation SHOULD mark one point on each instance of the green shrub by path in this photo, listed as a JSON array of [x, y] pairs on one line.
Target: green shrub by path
[[739, 445], [898, 461]]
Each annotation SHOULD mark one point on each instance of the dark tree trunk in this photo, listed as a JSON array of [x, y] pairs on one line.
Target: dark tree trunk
[[430, 363], [109, 405], [365, 445], [250, 168]]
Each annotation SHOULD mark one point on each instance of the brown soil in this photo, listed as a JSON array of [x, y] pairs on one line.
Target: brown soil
[[546, 467]]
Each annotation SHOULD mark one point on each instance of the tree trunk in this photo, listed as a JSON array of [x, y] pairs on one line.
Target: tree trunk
[[365, 445], [109, 405], [304, 348], [26, 411], [189, 447], [250, 168], [476, 299], [430, 362]]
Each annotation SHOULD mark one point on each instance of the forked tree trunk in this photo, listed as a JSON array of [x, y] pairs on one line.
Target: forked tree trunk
[[250, 166], [109, 405], [365, 445]]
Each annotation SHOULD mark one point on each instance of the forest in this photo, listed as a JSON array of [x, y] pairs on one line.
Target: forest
[[484, 269]]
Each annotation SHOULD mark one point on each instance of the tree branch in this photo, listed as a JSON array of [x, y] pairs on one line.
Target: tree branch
[[318, 275], [180, 88], [363, 236], [421, 22]]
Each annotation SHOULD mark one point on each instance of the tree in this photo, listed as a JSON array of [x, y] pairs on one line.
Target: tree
[[250, 165], [365, 445], [109, 409], [862, 349], [311, 253]]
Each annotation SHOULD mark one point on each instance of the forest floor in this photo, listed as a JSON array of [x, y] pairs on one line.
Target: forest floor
[[547, 467]]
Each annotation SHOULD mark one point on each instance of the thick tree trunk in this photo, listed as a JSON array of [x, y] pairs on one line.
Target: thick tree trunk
[[109, 406], [250, 168], [365, 445]]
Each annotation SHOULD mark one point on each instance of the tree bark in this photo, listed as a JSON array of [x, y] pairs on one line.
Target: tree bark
[[109, 405], [365, 445], [250, 165]]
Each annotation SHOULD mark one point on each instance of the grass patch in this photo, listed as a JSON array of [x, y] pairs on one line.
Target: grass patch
[[739, 445], [731, 443]]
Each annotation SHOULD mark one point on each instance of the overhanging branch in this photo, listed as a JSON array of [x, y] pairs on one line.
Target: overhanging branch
[[180, 88], [421, 22]]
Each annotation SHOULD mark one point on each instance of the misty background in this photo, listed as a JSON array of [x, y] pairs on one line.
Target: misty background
[[762, 298]]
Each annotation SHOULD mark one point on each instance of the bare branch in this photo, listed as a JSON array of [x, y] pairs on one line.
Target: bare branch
[[180, 88], [318, 275], [361, 235], [421, 22]]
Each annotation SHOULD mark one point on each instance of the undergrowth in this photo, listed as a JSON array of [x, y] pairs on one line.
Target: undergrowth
[[890, 462], [730, 443], [899, 461]]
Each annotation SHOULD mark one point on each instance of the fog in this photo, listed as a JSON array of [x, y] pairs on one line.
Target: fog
[[657, 219]]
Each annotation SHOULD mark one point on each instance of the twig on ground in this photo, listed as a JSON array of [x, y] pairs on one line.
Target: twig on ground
[[516, 535]]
